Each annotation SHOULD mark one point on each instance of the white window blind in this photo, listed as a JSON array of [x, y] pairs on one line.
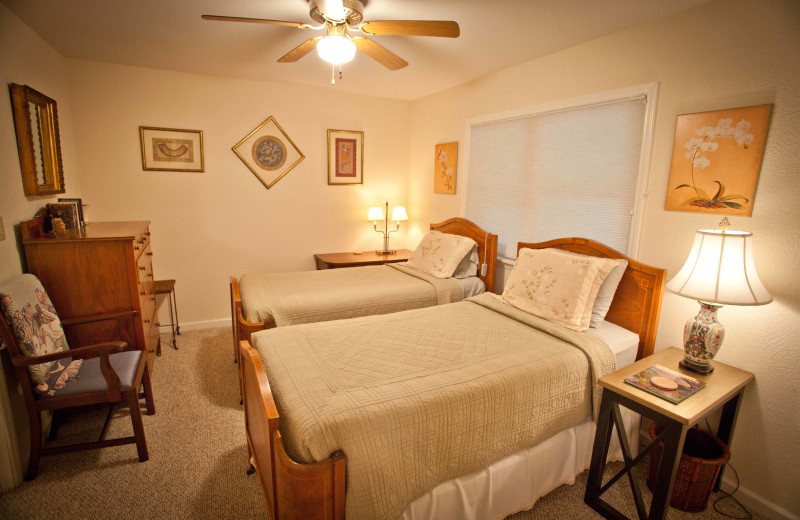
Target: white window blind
[[567, 173]]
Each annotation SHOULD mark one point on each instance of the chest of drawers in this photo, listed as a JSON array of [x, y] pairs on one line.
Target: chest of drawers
[[107, 268]]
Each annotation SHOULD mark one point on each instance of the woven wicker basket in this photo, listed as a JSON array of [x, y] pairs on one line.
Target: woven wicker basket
[[702, 458]]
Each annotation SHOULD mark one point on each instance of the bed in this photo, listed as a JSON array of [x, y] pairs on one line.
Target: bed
[[313, 296], [481, 404]]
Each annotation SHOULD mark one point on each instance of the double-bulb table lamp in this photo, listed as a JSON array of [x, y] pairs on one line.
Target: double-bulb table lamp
[[398, 215], [719, 271]]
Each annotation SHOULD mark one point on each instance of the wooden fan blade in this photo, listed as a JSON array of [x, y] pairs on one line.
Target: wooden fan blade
[[444, 29], [255, 20], [300, 51], [379, 53]]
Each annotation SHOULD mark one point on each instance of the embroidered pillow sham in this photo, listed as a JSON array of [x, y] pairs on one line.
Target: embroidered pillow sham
[[558, 286], [439, 254]]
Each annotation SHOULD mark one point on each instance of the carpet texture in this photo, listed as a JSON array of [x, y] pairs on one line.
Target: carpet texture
[[198, 456]]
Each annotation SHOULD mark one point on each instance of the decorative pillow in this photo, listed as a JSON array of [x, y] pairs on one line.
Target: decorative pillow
[[439, 254], [607, 290], [469, 265], [556, 285], [32, 317]]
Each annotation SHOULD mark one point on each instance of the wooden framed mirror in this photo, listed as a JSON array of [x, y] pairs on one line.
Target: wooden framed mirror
[[38, 141]]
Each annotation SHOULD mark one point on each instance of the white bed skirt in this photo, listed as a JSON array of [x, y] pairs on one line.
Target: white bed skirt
[[515, 483]]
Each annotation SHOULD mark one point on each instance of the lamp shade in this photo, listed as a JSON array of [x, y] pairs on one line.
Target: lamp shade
[[336, 49], [399, 214], [375, 214], [720, 270]]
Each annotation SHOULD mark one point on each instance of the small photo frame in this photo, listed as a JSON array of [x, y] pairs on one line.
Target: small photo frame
[[445, 168], [67, 212], [345, 157], [171, 149], [268, 152], [79, 205]]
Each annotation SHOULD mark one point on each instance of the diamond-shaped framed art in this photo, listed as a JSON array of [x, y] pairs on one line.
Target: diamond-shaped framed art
[[268, 152]]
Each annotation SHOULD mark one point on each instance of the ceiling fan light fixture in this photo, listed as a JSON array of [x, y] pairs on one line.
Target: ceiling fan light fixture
[[336, 49]]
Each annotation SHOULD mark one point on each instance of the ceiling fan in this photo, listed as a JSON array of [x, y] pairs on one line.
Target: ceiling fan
[[340, 18]]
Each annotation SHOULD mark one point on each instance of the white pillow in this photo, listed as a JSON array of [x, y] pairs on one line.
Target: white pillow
[[439, 254], [468, 266], [556, 285]]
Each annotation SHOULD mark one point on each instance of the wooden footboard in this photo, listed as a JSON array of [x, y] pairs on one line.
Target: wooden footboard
[[241, 327], [292, 491]]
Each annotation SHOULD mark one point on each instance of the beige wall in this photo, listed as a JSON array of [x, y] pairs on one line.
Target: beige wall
[[222, 222], [722, 54], [25, 59]]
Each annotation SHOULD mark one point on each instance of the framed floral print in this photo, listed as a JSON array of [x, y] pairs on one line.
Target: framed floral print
[[345, 157], [268, 152], [171, 149], [716, 159], [445, 168]]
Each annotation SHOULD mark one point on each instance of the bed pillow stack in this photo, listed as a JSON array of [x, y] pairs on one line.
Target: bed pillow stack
[[440, 254], [558, 286]]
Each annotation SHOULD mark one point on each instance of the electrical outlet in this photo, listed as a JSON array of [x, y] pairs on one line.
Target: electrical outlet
[[2, 230]]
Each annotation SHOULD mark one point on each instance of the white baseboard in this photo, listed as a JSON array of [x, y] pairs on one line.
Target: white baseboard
[[756, 502], [194, 325]]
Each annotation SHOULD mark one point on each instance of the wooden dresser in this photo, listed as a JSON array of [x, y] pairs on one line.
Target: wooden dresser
[[107, 268]]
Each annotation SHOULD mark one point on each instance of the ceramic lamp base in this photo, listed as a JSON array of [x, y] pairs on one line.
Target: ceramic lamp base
[[702, 338]]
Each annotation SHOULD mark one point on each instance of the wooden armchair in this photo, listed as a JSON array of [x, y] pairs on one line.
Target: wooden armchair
[[54, 376]]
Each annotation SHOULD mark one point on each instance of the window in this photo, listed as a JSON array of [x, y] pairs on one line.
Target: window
[[576, 169]]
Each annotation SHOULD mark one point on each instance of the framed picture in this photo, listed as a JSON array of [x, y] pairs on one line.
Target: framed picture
[[67, 212], [268, 152], [79, 207], [345, 157], [171, 149], [716, 159], [445, 168]]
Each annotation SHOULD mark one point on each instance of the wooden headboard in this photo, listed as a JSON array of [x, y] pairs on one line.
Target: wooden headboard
[[487, 244], [637, 302]]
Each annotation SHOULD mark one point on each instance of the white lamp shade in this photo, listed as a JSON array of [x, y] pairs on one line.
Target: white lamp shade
[[375, 214], [399, 214], [336, 49], [720, 269]]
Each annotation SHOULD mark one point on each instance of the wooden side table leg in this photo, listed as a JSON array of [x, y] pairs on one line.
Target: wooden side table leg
[[602, 441], [665, 480], [730, 411], [177, 323]]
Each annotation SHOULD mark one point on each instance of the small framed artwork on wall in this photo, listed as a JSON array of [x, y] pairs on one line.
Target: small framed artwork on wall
[[171, 149], [445, 168], [268, 152], [716, 159], [345, 157]]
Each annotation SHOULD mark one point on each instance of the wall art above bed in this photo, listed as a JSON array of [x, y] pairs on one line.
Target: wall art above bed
[[445, 168], [268, 152], [716, 159], [345, 157]]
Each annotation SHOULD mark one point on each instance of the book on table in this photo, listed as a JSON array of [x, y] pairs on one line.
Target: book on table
[[684, 385]]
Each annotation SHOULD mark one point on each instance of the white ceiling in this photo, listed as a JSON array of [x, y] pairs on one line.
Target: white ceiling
[[169, 34]]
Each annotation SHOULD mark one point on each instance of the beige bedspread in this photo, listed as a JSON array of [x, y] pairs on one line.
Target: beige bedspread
[[420, 397], [280, 299]]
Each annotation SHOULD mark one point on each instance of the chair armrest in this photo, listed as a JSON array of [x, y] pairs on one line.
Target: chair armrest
[[88, 351], [67, 322]]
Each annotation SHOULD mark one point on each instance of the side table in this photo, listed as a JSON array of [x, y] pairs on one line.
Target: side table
[[724, 387], [338, 260]]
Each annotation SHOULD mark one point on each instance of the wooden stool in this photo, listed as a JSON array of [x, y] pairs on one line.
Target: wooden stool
[[168, 287]]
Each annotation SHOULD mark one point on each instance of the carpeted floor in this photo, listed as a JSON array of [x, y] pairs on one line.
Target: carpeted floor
[[198, 456]]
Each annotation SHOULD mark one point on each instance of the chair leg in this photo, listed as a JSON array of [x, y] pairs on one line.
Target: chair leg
[[138, 427], [148, 392], [35, 421]]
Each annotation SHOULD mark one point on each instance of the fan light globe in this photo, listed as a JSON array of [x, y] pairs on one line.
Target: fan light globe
[[336, 49]]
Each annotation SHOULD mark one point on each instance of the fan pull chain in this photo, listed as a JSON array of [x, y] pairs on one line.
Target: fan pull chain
[[340, 71], [333, 74]]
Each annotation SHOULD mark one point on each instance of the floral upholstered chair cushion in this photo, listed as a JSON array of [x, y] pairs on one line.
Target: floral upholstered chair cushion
[[33, 319], [439, 254], [556, 285]]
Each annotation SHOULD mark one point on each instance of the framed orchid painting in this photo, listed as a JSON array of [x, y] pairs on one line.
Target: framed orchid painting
[[716, 159], [445, 168]]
